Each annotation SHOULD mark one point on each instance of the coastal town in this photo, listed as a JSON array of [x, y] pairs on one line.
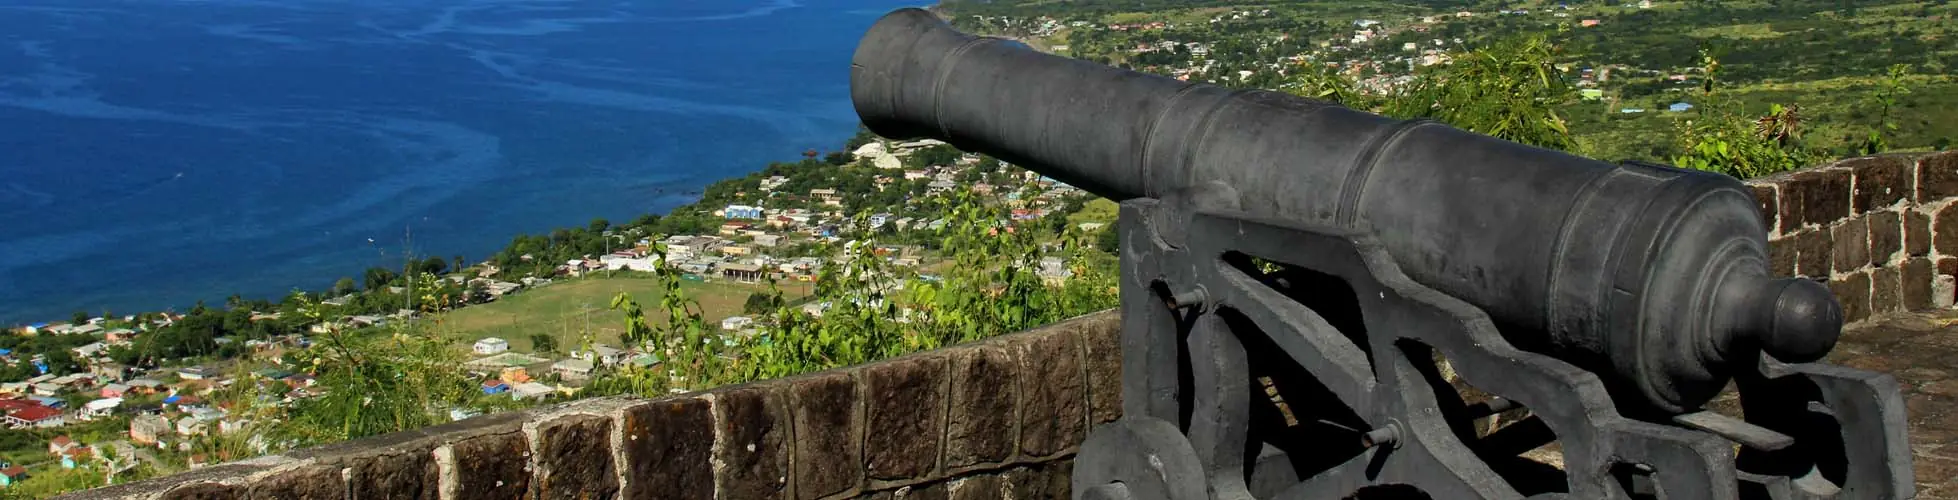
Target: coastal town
[[96, 407]]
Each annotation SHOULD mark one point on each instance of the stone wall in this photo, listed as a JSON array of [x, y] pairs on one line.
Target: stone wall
[[1883, 230], [1001, 418]]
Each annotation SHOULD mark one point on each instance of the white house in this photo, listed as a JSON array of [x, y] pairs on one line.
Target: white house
[[491, 345], [531, 390], [573, 369], [733, 323]]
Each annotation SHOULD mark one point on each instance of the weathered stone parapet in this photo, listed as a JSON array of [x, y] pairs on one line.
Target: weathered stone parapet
[[1882, 230], [999, 418]]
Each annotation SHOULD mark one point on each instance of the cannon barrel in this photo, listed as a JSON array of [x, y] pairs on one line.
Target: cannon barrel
[[1656, 275]]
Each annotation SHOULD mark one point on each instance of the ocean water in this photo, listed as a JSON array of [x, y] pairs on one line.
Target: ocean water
[[155, 153]]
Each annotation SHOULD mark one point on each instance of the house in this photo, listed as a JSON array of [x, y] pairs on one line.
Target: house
[[119, 335], [1588, 23], [75, 456], [35, 416], [768, 240], [603, 355], [491, 345], [194, 373], [88, 329], [144, 385], [115, 390], [494, 386], [11, 475], [1679, 107], [572, 369], [736, 250], [742, 212], [60, 444], [100, 408], [828, 196], [191, 426], [148, 429], [732, 323], [742, 272], [531, 390]]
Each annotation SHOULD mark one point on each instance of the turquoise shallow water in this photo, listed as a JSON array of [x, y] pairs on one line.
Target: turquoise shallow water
[[157, 153]]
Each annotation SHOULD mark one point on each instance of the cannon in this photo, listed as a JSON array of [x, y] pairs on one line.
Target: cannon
[[1320, 302]]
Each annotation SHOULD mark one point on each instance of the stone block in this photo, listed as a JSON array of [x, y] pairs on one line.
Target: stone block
[[1053, 412], [1881, 181], [1854, 292], [987, 487], [1917, 234], [753, 423], [1102, 339], [982, 420], [1944, 230], [1915, 278], [575, 457], [1937, 176], [1764, 196], [492, 466], [412, 475], [1046, 480], [205, 491], [1886, 236], [1886, 292], [311, 482], [668, 449], [904, 404], [1781, 257], [828, 435], [1852, 245], [1812, 257], [933, 491], [1948, 266], [1815, 197]]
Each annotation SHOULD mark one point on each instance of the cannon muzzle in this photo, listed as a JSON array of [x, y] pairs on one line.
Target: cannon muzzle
[[1654, 276]]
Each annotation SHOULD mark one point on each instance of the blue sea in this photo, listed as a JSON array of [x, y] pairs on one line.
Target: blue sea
[[155, 153]]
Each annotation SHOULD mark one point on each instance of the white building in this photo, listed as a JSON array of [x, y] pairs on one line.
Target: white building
[[491, 345], [733, 323], [531, 390]]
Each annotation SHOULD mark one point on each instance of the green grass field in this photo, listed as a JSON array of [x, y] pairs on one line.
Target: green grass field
[[569, 309]]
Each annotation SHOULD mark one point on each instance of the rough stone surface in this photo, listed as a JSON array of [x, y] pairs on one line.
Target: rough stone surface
[[1944, 230], [753, 452], [1918, 349], [206, 491], [667, 448], [1053, 413], [1781, 257], [1937, 176], [1886, 292], [934, 491], [1886, 236], [494, 466], [1812, 253], [986, 487], [1764, 196], [1049, 480], [1915, 282], [905, 414], [406, 476], [982, 417], [1880, 181], [1948, 266], [1852, 250], [829, 443], [1104, 362], [1854, 292], [575, 453], [312, 482], [1815, 197], [1917, 233]]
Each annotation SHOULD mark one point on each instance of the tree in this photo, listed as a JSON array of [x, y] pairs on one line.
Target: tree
[[342, 287], [599, 226], [543, 342], [80, 317], [378, 278], [759, 303]]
